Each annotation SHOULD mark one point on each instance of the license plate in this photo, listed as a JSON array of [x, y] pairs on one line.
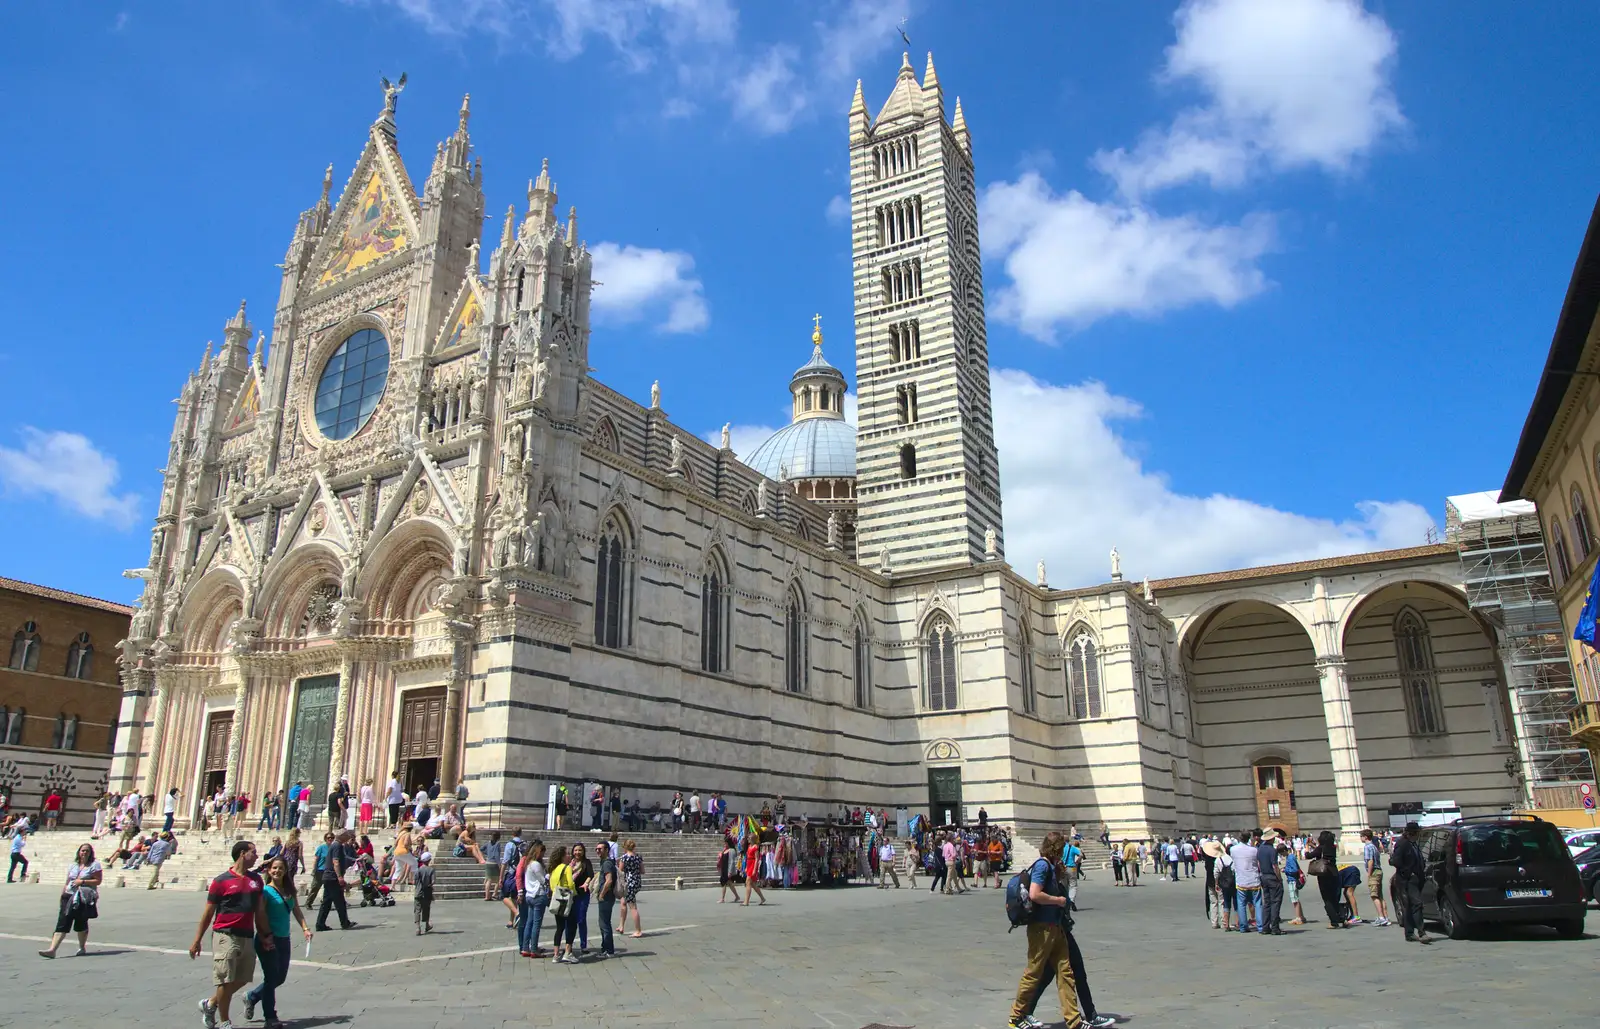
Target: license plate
[[1526, 894]]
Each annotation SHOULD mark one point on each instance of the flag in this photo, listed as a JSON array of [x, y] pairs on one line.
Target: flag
[[1586, 631]]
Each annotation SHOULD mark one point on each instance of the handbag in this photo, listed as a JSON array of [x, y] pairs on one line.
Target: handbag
[[1318, 866], [561, 897]]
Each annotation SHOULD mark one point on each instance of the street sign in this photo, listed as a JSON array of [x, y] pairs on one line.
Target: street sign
[[1588, 803], [1586, 790]]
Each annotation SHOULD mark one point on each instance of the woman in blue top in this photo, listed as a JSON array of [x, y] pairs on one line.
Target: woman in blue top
[[281, 903]]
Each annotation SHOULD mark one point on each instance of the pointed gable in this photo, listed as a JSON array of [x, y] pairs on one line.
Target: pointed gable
[[376, 217], [247, 406], [466, 315]]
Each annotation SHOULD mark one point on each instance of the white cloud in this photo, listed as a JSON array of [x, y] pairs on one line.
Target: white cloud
[[1072, 261], [637, 283], [1287, 84], [67, 467], [1073, 488], [839, 210], [768, 94]]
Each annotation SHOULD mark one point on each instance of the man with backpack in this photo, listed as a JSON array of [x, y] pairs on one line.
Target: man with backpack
[[1045, 914]]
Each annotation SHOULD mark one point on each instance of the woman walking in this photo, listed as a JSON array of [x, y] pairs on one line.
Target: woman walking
[[533, 894], [632, 879], [80, 899], [582, 884], [364, 813], [941, 870], [294, 853], [561, 902], [405, 862], [1323, 861], [282, 904], [727, 867], [752, 870]]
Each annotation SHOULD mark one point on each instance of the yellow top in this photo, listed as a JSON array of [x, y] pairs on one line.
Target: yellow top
[[561, 875]]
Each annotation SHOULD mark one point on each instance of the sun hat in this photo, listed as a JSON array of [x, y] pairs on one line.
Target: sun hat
[[1211, 848], [425, 857]]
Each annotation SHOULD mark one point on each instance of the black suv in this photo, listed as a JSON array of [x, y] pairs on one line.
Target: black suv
[[1501, 869]]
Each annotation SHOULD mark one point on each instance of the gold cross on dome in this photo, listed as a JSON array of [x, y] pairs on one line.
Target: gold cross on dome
[[816, 321]]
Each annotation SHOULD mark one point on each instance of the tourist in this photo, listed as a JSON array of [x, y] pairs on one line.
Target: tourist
[[727, 865], [510, 855], [1323, 862], [1349, 879], [752, 870], [491, 865], [18, 841], [1187, 850], [632, 878], [278, 895], [980, 862], [597, 806], [241, 806], [1227, 887], [269, 812], [394, 796], [332, 858], [949, 869], [293, 818], [582, 884], [1116, 865], [561, 901], [533, 894], [941, 869], [886, 865], [1130, 863], [52, 808], [1047, 939], [1372, 861], [677, 812], [422, 895], [1247, 879], [1293, 879], [405, 859], [420, 812], [616, 807], [80, 900], [1271, 881], [606, 899], [338, 804], [1409, 872], [101, 815], [236, 913], [997, 860], [163, 848], [1072, 860], [1092, 1019], [364, 811], [1210, 850], [308, 810]]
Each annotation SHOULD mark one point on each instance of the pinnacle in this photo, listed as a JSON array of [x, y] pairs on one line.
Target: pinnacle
[[859, 103], [930, 78], [959, 122], [466, 110], [327, 183], [905, 66]]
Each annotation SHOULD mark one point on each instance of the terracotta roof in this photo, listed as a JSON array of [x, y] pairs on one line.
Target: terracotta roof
[[1320, 564], [50, 593]]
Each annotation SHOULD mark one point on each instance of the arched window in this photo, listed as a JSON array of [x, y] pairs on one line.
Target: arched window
[[796, 669], [1582, 535], [611, 593], [862, 663], [1030, 696], [13, 728], [939, 660], [25, 648], [715, 610], [1560, 564], [908, 461], [1083, 675], [69, 734], [79, 655], [1418, 680]]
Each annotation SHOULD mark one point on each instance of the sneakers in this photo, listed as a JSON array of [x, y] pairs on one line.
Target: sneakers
[[1383, 923], [1099, 1022], [249, 1008], [570, 959], [1025, 1022], [208, 1014]]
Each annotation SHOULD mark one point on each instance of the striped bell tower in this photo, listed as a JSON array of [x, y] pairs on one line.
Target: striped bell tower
[[928, 477]]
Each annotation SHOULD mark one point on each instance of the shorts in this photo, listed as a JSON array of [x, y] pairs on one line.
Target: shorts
[[1349, 877], [233, 959], [1291, 890], [72, 919], [982, 868], [1375, 884]]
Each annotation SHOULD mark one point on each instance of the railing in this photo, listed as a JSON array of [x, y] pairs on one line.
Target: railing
[[1585, 720]]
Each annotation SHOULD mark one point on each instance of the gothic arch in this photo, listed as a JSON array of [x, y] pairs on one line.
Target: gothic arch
[[404, 568], [1438, 586], [213, 604], [605, 435], [303, 570], [1196, 625], [937, 606]]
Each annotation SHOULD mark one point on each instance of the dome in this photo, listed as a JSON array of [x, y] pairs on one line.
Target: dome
[[812, 448]]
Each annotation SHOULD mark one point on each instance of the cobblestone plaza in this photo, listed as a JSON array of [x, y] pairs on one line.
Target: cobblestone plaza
[[840, 959]]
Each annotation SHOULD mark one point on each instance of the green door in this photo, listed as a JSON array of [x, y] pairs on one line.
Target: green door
[[311, 735], [944, 796]]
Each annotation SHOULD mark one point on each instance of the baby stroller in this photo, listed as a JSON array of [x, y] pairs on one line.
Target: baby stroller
[[374, 892]]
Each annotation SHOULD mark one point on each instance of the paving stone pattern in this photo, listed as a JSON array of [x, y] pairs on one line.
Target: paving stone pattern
[[841, 958]]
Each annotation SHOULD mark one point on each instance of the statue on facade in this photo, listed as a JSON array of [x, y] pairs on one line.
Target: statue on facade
[[727, 435], [991, 543], [833, 530], [883, 561], [515, 442], [532, 537], [655, 395], [1149, 596], [761, 499], [1040, 579], [675, 455], [541, 372], [391, 93], [1116, 565]]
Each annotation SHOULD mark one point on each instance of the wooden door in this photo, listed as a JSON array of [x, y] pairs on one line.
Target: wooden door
[[422, 724], [218, 728]]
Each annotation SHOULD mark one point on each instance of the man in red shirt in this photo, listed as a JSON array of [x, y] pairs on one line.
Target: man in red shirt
[[52, 809], [236, 911]]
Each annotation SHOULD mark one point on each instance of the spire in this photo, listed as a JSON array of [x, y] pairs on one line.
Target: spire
[[237, 330], [205, 361], [457, 151], [860, 102], [930, 78], [466, 110], [932, 95], [572, 226], [858, 114], [511, 220], [906, 71], [327, 185], [958, 125], [542, 196]]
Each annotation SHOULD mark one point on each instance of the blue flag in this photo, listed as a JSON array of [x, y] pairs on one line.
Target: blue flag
[[1586, 630]]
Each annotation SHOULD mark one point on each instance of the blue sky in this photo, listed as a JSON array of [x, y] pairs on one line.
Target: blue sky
[[1264, 280]]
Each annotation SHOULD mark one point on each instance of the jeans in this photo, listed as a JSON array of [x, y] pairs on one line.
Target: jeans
[[1174, 865], [605, 908], [274, 970], [941, 874], [578, 920], [532, 919], [1248, 897], [332, 897], [17, 859], [267, 820], [1408, 892], [1271, 905], [166, 823]]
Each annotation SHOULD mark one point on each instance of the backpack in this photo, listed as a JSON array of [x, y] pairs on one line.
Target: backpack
[[1019, 906], [1225, 878]]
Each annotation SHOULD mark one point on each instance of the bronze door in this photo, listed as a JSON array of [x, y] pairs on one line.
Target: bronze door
[[944, 796], [311, 735]]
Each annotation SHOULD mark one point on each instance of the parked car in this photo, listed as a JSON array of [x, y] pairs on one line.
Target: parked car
[[1580, 840], [1589, 872], [1504, 870]]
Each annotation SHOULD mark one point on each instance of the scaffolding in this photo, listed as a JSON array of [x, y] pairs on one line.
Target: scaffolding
[[1507, 580]]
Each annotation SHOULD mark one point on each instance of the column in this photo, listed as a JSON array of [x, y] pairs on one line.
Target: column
[[130, 738], [1352, 795], [461, 640], [341, 720], [241, 697], [158, 724]]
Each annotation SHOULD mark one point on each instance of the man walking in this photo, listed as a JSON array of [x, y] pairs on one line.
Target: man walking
[[1130, 863], [1409, 871], [293, 820], [1072, 858], [1372, 863], [235, 912], [886, 865], [160, 850], [1247, 881], [1047, 940], [1173, 857], [1271, 882], [422, 895], [18, 841], [331, 860]]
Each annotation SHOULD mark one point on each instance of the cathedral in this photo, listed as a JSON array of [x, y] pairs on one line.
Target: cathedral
[[411, 532]]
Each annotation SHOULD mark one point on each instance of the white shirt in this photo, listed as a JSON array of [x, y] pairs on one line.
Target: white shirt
[[694, 803], [421, 798], [535, 879], [131, 802], [366, 793], [170, 806], [886, 852], [396, 794]]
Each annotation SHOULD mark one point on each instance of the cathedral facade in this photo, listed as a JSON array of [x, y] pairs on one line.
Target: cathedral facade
[[415, 534]]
